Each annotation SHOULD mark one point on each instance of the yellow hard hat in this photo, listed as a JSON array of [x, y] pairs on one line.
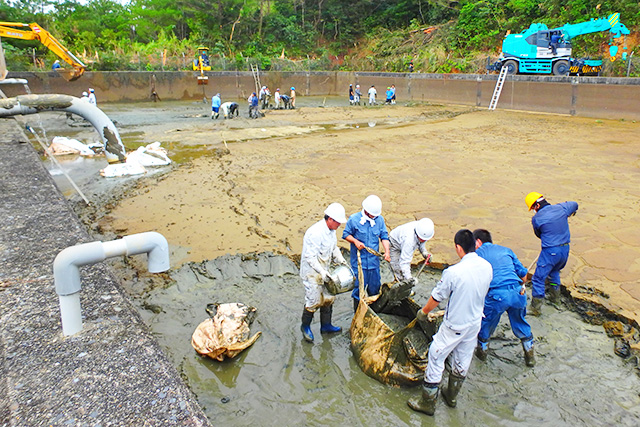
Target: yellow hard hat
[[532, 198]]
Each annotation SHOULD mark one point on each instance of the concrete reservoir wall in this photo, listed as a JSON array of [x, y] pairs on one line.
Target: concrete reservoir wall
[[603, 97]]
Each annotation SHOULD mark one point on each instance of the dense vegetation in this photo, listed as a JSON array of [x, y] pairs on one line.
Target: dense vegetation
[[385, 35]]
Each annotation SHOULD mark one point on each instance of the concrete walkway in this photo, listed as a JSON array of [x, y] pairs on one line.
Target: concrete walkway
[[111, 373]]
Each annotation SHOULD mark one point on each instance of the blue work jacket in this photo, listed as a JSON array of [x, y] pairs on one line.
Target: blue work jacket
[[215, 102], [368, 235], [507, 268], [551, 226]]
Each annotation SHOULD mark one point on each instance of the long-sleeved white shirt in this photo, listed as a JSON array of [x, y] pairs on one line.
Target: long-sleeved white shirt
[[465, 285], [403, 243], [319, 247]]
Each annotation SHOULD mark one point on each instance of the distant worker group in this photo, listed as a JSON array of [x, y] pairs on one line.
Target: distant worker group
[[488, 281], [89, 97], [355, 94]]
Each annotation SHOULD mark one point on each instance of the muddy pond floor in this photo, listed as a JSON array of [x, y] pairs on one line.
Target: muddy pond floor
[[253, 186]]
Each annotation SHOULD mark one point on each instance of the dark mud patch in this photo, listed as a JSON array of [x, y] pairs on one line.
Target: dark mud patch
[[282, 379]]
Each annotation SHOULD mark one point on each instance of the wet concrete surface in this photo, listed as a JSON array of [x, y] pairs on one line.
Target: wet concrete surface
[[112, 372], [573, 356]]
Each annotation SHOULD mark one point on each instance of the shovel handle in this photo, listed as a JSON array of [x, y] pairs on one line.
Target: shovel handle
[[426, 261]]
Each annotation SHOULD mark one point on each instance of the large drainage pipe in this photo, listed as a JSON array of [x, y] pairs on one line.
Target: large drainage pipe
[[66, 269], [32, 104]]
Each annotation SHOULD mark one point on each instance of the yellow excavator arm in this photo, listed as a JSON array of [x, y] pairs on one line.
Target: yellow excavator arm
[[33, 31]]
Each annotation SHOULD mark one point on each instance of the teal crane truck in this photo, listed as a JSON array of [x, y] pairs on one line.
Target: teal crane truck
[[540, 50]]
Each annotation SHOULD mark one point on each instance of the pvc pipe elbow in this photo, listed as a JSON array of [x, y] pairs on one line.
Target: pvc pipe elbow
[[154, 245], [66, 266]]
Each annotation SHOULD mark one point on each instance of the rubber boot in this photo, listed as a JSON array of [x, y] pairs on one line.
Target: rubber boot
[[450, 394], [307, 317], [325, 321], [554, 294], [482, 350], [427, 402], [536, 306], [529, 357]]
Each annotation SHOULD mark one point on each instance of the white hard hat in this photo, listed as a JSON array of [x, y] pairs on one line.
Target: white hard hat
[[373, 205], [336, 212], [424, 229], [85, 94], [91, 90]]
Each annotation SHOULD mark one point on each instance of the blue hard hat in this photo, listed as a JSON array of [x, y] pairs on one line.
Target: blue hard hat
[[293, 88]]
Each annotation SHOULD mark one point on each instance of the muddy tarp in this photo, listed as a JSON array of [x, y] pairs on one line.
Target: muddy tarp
[[226, 333], [385, 344]]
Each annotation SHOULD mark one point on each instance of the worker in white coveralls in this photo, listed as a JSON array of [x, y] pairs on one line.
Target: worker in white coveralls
[[319, 248], [92, 97], [372, 95], [465, 285], [403, 242]]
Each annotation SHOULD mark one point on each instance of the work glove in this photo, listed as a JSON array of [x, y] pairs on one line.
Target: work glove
[[424, 252], [421, 316], [427, 258], [413, 281], [325, 276]]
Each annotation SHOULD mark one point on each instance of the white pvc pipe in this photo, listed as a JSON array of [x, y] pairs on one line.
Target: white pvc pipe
[[14, 82], [70, 313], [66, 268], [31, 104]]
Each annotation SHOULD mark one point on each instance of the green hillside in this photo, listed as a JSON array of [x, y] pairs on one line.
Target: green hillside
[[372, 35]]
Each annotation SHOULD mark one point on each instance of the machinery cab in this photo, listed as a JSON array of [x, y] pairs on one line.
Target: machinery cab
[[537, 42], [201, 62], [550, 44]]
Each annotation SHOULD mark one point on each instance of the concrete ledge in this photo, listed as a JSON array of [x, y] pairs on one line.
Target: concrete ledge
[[111, 373]]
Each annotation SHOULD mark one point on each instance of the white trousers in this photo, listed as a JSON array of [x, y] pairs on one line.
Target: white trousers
[[395, 263], [460, 344], [316, 295]]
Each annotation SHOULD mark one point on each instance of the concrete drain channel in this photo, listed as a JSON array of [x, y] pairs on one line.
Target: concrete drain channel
[[282, 379]]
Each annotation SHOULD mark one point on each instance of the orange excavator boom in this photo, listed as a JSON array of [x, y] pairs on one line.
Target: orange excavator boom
[[33, 31]]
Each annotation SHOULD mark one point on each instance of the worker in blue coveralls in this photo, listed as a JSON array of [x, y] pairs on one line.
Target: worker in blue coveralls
[[389, 94], [215, 106], [551, 225], [367, 228], [506, 293]]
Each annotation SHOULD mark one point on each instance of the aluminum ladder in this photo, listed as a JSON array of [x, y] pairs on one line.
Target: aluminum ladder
[[498, 90], [255, 71]]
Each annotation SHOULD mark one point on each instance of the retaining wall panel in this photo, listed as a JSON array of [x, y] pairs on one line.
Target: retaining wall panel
[[614, 98]]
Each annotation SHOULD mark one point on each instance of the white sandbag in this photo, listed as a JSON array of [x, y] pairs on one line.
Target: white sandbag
[[131, 167], [61, 145], [151, 155]]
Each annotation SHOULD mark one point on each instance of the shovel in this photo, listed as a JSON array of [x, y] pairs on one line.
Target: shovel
[[529, 275], [426, 261]]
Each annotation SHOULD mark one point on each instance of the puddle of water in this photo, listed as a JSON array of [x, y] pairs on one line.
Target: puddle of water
[[283, 380]]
